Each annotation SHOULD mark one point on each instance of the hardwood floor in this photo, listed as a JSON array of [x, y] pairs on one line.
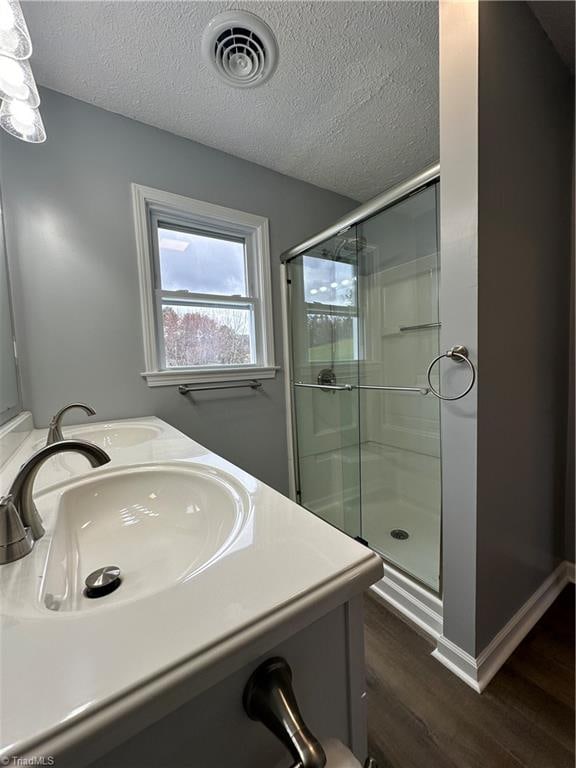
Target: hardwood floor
[[422, 716]]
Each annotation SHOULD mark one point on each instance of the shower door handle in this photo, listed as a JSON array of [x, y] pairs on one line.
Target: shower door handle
[[419, 390], [334, 387], [350, 387]]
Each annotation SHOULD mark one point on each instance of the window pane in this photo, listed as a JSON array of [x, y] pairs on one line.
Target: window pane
[[329, 282], [207, 336], [201, 264], [331, 338]]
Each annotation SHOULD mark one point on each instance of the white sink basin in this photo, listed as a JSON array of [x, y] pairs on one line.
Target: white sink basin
[[110, 436], [159, 524], [127, 442], [113, 436]]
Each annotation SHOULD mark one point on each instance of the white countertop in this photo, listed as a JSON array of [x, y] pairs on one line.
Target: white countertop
[[65, 674]]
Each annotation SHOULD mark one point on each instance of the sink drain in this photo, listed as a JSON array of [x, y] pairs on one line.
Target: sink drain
[[102, 581], [399, 533]]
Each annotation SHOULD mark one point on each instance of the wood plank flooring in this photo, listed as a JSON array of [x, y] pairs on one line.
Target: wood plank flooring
[[420, 715]]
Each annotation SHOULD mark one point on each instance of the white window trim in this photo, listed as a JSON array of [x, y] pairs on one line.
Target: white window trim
[[253, 228]]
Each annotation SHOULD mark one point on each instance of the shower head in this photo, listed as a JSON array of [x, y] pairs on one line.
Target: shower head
[[347, 248]]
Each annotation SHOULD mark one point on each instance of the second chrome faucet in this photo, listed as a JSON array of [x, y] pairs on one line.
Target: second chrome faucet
[[55, 426]]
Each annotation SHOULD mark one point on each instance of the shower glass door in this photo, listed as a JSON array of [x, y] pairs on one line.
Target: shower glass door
[[324, 330], [364, 328], [400, 428]]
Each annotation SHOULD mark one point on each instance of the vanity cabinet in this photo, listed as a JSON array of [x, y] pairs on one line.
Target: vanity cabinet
[[213, 731]]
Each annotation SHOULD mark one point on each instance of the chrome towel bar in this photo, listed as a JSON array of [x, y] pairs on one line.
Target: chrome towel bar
[[184, 389], [419, 327]]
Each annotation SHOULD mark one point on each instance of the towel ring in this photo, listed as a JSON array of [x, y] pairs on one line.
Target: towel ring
[[460, 355]]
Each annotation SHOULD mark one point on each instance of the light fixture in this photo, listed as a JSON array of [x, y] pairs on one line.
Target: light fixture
[[23, 121], [14, 36], [19, 114], [17, 81]]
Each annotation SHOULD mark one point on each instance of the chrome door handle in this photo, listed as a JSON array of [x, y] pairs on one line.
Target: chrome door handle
[[420, 390], [335, 387], [350, 387]]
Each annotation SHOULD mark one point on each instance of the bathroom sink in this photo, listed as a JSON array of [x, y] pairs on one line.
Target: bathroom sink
[[159, 524], [112, 436], [129, 442]]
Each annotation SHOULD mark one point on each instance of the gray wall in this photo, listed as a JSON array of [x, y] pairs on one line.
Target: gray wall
[[73, 261], [506, 150], [9, 389], [525, 185], [459, 312]]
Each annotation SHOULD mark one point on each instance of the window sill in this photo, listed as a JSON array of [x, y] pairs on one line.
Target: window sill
[[175, 378]]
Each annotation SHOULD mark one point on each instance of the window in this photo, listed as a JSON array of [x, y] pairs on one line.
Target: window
[[331, 309], [204, 289]]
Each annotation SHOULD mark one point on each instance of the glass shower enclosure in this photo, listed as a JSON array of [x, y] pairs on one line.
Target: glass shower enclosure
[[364, 326]]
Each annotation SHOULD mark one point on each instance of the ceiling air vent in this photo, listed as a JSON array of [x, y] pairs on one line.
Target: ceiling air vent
[[241, 48]]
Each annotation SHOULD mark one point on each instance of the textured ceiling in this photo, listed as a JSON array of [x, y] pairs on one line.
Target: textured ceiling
[[352, 107]]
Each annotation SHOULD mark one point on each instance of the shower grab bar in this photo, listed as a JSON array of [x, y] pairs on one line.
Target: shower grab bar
[[350, 387], [184, 389], [420, 326]]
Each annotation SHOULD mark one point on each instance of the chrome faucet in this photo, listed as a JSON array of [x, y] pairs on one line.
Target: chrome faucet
[[55, 428], [20, 522]]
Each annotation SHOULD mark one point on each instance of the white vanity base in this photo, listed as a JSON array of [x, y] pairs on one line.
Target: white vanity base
[[212, 730]]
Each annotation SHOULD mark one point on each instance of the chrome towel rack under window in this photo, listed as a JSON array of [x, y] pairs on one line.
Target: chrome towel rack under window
[[186, 389]]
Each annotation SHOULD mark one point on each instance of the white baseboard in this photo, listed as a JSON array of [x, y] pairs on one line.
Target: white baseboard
[[477, 672], [570, 571], [458, 661], [420, 606]]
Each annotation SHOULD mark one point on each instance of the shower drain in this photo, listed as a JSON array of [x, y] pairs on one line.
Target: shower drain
[[399, 533]]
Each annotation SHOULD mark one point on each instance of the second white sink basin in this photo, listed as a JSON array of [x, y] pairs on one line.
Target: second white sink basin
[[116, 436], [110, 436], [160, 524]]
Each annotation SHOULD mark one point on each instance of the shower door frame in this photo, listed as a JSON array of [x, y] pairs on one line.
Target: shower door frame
[[291, 427], [381, 202]]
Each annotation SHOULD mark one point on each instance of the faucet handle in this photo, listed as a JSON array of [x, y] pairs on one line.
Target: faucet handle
[[15, 539]]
